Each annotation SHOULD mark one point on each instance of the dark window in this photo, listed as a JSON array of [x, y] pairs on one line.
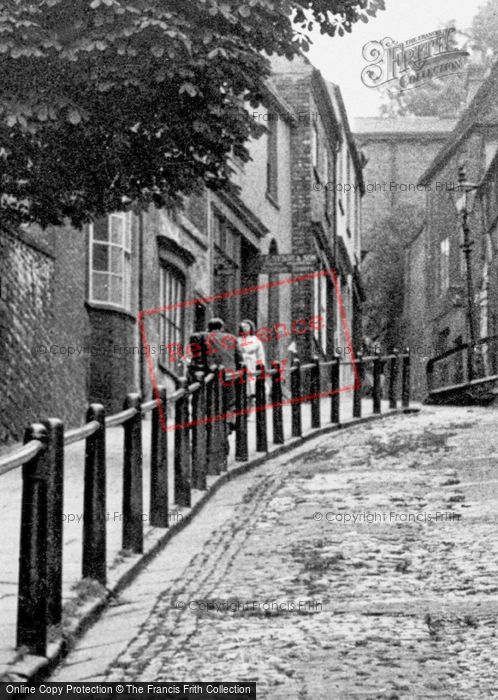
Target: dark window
[[172, 294], [272, 160]]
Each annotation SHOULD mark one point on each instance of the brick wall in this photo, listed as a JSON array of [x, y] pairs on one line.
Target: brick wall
[[295, 88], [395, 163], [41, 317]]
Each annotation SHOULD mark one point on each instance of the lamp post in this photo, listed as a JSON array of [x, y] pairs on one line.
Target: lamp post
[[463, 197]]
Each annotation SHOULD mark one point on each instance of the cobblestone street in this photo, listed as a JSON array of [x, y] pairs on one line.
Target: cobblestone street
[[281, 579]]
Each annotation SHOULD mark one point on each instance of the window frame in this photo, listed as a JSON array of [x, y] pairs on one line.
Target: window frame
[[315, 154], [168, 274], [272, 160], [444, 270], [126, 276]]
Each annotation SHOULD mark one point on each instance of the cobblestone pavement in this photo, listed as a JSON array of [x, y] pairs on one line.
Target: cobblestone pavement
[[290, 591]]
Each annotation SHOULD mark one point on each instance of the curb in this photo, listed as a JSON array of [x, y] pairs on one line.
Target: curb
[[36, 668]]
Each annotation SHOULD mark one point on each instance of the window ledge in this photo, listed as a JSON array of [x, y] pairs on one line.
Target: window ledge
[[272, 200], [106, 306]]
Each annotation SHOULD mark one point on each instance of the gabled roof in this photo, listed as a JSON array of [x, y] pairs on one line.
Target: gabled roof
[[402, 125], [336, 96], [482, 111], [274, 97]]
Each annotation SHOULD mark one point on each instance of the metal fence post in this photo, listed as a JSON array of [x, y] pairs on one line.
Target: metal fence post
[[55, 505], [182, 452], [94, 500], [159, 489], [199, 443], [132, 478], [32, 613], [315, 393], [261, 427], [429, 373], [276, 400], [215, 441], [358, 385], [335, 371], [241, 444], [405, 391], [393, 367], [297, 427], [376, 389], [210, 427], [225, 392]]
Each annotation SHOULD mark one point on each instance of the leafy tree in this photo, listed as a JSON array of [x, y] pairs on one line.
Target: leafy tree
[[383, 273], [446, 96], [104, 103]]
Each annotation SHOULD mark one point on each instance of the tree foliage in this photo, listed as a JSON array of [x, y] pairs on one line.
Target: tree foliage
[[446, 96], [104, 103], [383, 273]]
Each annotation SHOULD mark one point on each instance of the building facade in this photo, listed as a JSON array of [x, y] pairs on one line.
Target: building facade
[[70, 300], [325, 221], [397, 151], [439, 312]]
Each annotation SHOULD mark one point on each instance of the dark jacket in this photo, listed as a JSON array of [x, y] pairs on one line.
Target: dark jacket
[[214, 348]]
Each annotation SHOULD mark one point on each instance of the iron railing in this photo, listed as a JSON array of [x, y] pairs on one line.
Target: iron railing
[[463, 365], [199, 416]]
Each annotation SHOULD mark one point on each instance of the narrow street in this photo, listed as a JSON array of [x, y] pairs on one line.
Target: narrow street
[[281, 578]]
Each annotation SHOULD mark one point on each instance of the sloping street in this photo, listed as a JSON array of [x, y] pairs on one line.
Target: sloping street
[[361, 565]]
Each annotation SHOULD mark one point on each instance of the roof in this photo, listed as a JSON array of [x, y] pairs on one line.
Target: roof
[[482, 110], [336, 96], [278, 101], [402, 125]]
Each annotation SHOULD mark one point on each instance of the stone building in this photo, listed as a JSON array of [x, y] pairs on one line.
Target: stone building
[[397, 152], [325, 221], [436, 310]]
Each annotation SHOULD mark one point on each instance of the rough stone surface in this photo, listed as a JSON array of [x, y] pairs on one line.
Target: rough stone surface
[[271, 584]]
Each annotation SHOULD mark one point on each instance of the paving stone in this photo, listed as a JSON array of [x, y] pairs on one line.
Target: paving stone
[[395, 608]]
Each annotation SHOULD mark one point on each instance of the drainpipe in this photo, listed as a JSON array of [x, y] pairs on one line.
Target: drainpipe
[[141, 355]]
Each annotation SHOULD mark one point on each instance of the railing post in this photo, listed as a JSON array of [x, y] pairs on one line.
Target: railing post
[[358, 385], [393, 367], [315, 393], [335, 378], [297, 427], [210, 427], [199, 443], [429, 374], [159, 491], [215, 446], [470, 362], [276, 400], [55, 506], [132, 481], [32, 613], [241, 444], [405, 391], [223, 423], [376, 390], [182, 453], [94, 500], [261, 427]]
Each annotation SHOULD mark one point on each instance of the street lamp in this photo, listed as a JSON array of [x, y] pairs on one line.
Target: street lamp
[[464, 197]]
